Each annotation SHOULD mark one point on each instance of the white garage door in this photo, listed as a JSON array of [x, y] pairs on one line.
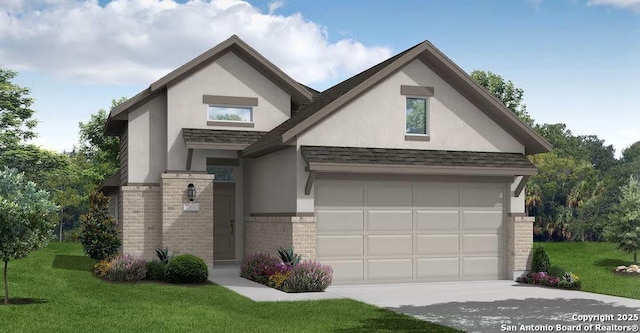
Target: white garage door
[[393, 231]]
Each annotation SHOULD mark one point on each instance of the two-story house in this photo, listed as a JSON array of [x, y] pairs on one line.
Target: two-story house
[[408, 171]]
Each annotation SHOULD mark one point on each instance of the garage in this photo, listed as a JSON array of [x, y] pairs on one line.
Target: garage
[[393, 231]]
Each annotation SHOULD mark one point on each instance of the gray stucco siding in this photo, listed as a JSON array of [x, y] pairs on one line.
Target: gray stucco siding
[[230, 76], [147, 141]]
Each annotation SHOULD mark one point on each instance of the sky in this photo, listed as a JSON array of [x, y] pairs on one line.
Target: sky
[[578, 61]]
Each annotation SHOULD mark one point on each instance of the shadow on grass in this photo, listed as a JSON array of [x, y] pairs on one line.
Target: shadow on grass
[[612, 263], [388, 321], [24, 301], [76, 263]]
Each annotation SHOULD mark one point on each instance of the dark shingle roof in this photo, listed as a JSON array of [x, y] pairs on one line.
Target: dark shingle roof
[[321, 100], [220, 136], [441, 158]]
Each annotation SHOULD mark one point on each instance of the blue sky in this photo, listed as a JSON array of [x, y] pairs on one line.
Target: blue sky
[[577, 60]]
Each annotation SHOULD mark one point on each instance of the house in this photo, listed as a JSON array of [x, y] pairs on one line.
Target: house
[[408, 171]]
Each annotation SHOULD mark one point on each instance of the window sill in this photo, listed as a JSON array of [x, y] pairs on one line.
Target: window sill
[[417, 137], [230, 123]]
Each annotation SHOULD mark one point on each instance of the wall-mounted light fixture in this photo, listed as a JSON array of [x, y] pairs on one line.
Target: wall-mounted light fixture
[[191, 192]]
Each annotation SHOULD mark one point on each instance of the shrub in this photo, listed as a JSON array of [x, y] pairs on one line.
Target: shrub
[[126, 268], [258, 267], [540, 261], [539, 278], [288, 257], [163, 255], [567, 281], [186, 268], [277, 279], [155, 270], [98, 230], [557, 271], [101, 268], [308, 276]]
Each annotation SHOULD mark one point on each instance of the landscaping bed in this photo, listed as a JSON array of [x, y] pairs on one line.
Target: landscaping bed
[[289, 273]]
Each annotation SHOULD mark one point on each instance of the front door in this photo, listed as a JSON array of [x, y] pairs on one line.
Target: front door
[[224, 221]]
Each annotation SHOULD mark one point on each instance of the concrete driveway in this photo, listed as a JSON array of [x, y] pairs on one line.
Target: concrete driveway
[[501, 306]]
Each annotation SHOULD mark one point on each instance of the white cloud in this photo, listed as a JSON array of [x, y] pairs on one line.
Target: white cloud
[[633, 5], [138, 41], [274, 5]]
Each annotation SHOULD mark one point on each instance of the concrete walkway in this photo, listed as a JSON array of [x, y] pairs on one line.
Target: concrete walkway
[[228, 276], [498, 306]]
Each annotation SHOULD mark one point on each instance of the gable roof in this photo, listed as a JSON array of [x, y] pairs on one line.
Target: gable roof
[[299, 94], [334, 98]]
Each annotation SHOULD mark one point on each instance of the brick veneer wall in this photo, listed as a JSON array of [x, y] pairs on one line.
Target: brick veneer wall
[[520, 244], [141, 220], [188, 232], [268, 233]]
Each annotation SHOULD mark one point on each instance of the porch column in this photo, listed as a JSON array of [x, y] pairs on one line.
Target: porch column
[[520, 244], [188, 229]]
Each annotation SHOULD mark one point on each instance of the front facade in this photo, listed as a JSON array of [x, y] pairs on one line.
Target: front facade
[[408, 171]]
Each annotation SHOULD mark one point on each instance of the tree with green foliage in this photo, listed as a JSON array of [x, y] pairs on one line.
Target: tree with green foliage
[[505, 91], [16, 123], [631, 153], [25, 219], [624, 229], [101, 150], [98, 230]]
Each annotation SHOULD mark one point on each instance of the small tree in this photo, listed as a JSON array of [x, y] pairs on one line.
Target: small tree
[[98, 230], [26, 222], [624, 229], [540, 261]]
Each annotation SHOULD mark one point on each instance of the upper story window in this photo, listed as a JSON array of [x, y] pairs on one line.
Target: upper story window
[[416, 115], [230, 113], [417, 111]]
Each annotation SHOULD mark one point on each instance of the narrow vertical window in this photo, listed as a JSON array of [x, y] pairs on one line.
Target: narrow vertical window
[[416, 115]]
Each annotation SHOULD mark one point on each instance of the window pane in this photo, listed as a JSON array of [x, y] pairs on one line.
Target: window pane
[[223, 174], [229, 113], [416, 116]]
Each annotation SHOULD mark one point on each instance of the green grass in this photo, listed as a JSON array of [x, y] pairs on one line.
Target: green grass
[[594, 263], [68, 298]]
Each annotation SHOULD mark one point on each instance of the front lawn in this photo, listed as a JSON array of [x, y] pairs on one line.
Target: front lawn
[[66, 297], [594, 263]]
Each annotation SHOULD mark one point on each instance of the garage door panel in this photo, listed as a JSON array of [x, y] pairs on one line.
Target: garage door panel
[[485, 197], [482, 268], [436, 195], [389, 245], [389, 220], [340, 246], [388, 195], [437, 244], [346, 270], [484, 244], [340, 220], [389, 269], [339, 194], [437, 268], [482, 220], [437, 220]]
